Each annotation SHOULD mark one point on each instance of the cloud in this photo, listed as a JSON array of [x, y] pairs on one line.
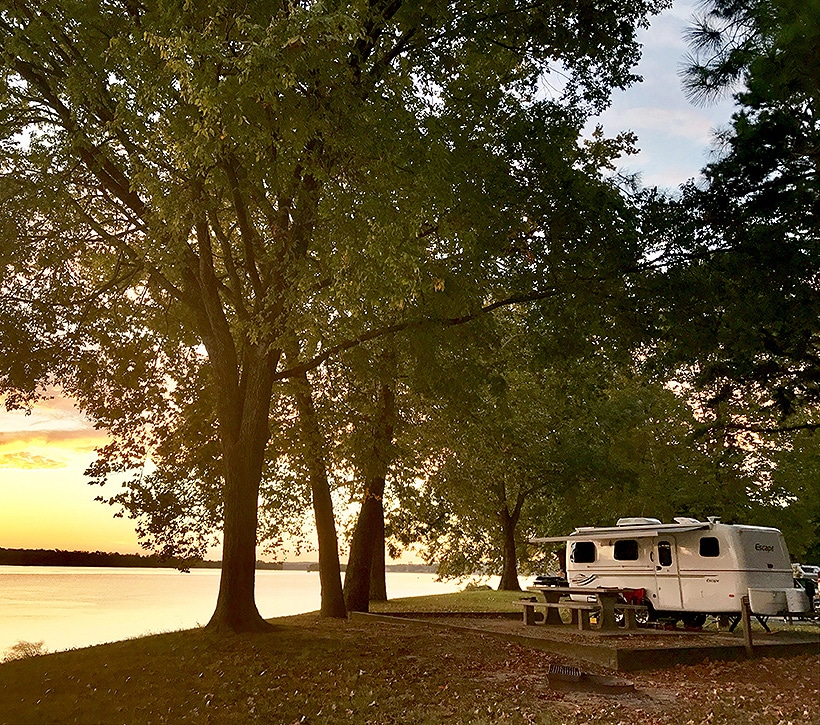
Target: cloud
[[674, 137], [59, 405], [82, 438], [52, 435], [54, 414], [26, 461], [27, 450], [670, 123]]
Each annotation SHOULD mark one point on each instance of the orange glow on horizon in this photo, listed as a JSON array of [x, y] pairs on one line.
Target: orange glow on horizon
[[47, 503], [45, 500]]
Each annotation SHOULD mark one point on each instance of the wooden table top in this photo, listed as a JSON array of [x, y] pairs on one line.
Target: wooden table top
[[603, 591]]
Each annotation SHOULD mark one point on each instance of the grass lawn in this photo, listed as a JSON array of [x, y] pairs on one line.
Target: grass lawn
[[310, 670], [473, 600]]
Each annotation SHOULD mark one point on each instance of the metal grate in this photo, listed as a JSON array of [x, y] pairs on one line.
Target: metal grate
[[565, 672]]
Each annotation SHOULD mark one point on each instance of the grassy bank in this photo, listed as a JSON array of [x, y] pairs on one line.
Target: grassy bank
[[474, 600], [310, 670]]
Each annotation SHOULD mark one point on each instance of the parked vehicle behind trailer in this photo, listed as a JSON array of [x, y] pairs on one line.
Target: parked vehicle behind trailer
[[688, 569], [806, 571]]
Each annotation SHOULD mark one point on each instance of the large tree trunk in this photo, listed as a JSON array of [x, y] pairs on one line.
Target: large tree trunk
[[244, 434], [330, 578], [360, 560], [370, 523], [378, 575], [236, 605], [509, 566]]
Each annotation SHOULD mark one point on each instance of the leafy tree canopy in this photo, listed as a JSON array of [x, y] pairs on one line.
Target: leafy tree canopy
[[194, 193], [739, 254]]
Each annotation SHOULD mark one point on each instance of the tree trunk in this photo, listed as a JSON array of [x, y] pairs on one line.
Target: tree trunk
[[371, 517], [378, 576], [509, 567], [244, 434], [330, 578], [236, 605], [360, 560]]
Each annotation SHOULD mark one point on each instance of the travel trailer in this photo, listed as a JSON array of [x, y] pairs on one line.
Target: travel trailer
[[688, 569]]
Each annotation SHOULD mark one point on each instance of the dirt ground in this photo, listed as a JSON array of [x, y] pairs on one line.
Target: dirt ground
[[325, 672], [785, 691], [782, 690]]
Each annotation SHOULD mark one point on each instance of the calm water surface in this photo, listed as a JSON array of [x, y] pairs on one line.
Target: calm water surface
[[68, 607]]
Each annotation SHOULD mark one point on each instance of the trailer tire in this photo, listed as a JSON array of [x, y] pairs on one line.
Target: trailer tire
[[649, 616], [641, 618]]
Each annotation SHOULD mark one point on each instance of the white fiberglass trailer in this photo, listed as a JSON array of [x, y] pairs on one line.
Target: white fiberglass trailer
[[687, 569]]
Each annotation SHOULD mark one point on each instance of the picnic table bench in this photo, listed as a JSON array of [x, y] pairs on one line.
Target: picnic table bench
[[581, 612], [603, 602]]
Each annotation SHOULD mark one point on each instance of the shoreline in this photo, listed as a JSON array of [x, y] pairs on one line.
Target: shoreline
[[101, 559]]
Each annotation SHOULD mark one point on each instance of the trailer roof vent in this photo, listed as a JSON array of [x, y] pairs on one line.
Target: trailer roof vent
[[638, 521], [685, 520]]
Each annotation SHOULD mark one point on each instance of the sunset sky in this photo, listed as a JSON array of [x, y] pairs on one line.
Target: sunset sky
[[44, 499]]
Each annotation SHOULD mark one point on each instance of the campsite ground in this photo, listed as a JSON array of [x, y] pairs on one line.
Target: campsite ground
[[310, 670]]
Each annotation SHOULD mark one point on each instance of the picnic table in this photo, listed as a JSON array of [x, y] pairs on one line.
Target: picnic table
[[601, 600]]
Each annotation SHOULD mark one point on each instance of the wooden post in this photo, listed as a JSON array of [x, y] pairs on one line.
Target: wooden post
[[746, 616]]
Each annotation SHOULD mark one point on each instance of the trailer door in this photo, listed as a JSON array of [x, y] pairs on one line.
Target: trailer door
[[667, 578]]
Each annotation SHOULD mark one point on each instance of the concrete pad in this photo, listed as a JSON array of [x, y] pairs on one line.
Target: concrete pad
[[624, 651]]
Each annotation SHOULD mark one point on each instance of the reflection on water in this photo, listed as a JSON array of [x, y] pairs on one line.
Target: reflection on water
[[70, 607]]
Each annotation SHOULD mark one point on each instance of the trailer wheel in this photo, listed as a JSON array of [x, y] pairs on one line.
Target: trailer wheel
[[694, 619], [643, 618]]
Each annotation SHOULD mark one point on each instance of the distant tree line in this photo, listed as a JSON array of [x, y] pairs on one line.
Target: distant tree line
[[58, 557]]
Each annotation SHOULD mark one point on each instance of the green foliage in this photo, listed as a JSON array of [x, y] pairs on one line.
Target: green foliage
[[741, 253], [795, 491], [766, 46], [193, 194], [736, 259], [551, 442]]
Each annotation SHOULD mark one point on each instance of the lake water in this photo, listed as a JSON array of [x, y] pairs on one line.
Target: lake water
[[68, 607]]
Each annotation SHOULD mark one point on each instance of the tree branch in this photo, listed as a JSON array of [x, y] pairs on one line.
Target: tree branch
[[766, 429], [380, 332], [134, 255], [246, 229]]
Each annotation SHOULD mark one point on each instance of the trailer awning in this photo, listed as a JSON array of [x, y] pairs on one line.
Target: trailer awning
[[622, 532]]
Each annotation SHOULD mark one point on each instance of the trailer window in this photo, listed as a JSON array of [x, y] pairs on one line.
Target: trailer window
[[709, 546], [664, 553], [626, 550], [582, 552]]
